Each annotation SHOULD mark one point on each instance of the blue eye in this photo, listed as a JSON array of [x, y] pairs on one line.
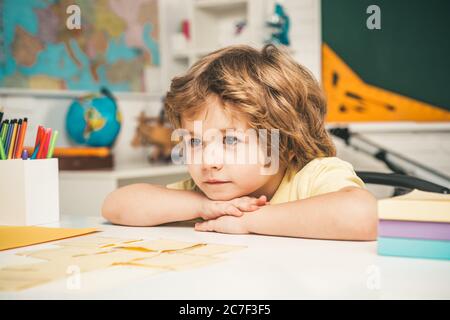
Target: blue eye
[[195, 142], [230, 140]]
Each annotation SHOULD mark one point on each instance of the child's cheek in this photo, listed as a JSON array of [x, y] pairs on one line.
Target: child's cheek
[[248, 178]]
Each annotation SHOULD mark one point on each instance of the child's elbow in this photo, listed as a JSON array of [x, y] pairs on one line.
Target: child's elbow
[[369, 228], [110, 209], [366, 224]]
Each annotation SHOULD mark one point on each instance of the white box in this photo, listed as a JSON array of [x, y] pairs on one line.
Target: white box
[[29, 192]]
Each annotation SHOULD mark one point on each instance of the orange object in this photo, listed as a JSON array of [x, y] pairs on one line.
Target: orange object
[[38, 135], [350, 98], [82, 151], [48, 137], [42, 153], [21, 137], [21, 236], [79, 151], [40, 143]]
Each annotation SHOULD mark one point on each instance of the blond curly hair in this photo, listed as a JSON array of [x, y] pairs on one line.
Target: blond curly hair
[[266, 86]]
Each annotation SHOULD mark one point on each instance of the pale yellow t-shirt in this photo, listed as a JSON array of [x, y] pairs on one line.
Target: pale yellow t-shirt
[[319, 176]]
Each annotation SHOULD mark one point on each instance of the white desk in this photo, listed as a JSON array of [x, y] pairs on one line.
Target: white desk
[[269, 268]]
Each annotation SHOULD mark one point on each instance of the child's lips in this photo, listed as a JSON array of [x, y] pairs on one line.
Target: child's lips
[[216, 182]]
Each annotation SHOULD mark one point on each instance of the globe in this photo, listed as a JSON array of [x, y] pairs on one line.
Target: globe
[[94, 119]]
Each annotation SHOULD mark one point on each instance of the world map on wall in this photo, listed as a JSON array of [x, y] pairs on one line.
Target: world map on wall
[[116, 41]]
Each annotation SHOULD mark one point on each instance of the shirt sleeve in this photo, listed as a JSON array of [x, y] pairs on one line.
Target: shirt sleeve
[[187, 184], [333, 174]]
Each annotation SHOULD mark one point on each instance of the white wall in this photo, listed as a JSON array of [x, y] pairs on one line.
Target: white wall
[[306, 33]]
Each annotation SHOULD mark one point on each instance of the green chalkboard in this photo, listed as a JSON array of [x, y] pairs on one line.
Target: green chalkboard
[[409, 55]]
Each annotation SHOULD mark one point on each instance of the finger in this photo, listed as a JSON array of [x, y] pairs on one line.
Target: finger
[[233, 211], [262, 200], [203, 226], [223, 208], [245, 205], [252, 200]]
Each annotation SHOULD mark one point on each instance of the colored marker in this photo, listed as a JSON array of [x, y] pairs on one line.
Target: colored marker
[[38, 142], [38, 133], [4, 132], [8, 136], [48, 135], [5, 125], [35, 152], [2, 127], [13, 140], [25, 154], [52, 144], [2, 150], [21, 137]]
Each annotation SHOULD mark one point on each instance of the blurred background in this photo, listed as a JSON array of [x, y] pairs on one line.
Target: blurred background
[[97, 71]]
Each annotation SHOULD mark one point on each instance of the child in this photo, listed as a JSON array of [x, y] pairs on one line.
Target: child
[[219, 105]]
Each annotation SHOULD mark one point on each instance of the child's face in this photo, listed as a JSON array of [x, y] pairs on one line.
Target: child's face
[[216, 165]]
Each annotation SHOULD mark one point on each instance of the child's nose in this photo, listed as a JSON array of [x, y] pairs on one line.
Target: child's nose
[[213, 156]]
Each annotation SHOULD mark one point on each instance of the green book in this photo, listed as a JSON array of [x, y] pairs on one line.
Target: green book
[[415, 248]]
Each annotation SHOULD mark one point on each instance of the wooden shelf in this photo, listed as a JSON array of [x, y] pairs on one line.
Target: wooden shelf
[[93, 186], [220, 5], [212, 27], [129, 171]]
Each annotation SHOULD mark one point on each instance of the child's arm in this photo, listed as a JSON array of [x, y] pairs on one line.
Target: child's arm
[[348, 214], [149, 205]]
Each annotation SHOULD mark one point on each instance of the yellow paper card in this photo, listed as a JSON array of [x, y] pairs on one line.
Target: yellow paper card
[[60, 253], [211, 249], [16, 284], [174, 261], [92, 253], [160, 245], [96, 242], [45, 271], [14, 237]]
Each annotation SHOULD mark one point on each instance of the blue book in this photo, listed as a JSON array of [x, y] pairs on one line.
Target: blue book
[[415, 248]]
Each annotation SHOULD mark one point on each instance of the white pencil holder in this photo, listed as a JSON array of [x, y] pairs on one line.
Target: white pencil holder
[[29, 192]]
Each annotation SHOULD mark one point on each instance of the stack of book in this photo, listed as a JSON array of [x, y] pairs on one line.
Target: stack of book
[[416, 224]]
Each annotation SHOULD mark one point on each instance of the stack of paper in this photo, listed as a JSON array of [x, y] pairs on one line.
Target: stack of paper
[[92, 253], [415, 225]]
